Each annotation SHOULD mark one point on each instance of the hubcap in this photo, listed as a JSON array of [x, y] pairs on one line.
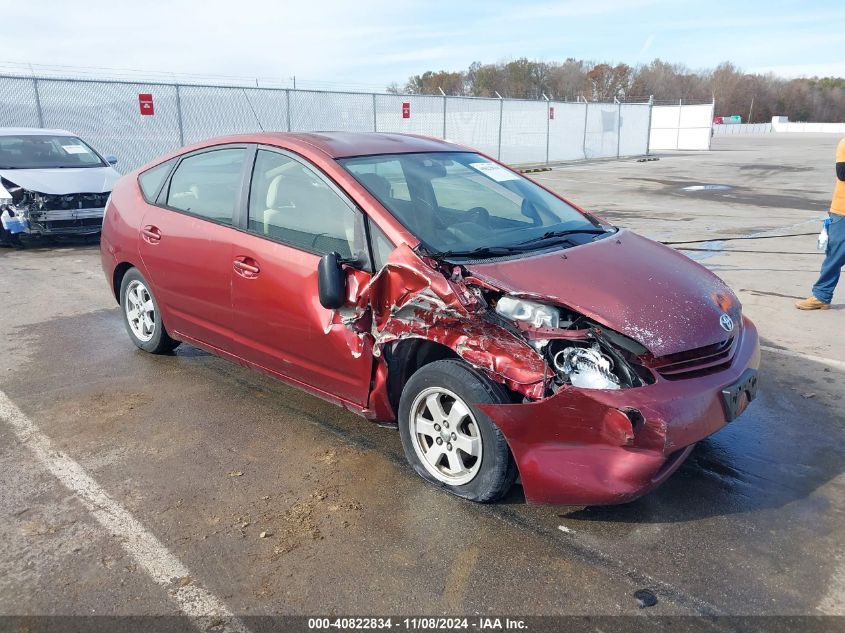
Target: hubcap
[[445, 435], [140, 311]]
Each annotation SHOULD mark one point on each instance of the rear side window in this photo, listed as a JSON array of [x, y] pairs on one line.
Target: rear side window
[[290, 203], [207, 184], [152, 179]]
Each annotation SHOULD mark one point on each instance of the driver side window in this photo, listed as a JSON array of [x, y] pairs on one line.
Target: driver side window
[[290, 203]]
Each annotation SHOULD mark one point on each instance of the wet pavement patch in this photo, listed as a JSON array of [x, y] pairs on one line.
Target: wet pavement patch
[[710, 187], [776, 168], [803, 199]]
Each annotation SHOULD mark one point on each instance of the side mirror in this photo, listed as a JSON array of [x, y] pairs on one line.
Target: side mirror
[[331, 282], [111, 159]]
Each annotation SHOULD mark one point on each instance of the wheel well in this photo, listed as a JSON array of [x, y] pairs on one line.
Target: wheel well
[[405, 358], [117, 278]]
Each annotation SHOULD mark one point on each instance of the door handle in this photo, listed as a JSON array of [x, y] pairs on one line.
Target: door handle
[[246, 267], [151, 234]]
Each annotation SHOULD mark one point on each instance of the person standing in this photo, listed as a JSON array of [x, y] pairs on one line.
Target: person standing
[[834, 258]]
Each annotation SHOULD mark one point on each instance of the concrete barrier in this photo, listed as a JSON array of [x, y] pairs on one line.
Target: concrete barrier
[[783, 124]]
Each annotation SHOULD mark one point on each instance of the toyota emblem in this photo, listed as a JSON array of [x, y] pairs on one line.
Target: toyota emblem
[[726, 322]]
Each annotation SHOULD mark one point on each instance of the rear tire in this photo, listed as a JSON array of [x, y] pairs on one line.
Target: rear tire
[[447, 440], [141, 315]]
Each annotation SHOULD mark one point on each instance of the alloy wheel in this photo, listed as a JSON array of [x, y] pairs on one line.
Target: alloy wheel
[[445, 435], [140, 311]]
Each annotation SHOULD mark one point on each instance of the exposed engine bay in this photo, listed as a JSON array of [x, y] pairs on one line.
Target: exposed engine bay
[[588, 361], [586, 367], [581, 353]]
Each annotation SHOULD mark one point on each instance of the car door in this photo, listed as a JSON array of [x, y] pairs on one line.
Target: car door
[[186, 243], [295, 215]]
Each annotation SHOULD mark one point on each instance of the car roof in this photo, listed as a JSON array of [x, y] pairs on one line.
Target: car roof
[[33, 131], [346, 144]]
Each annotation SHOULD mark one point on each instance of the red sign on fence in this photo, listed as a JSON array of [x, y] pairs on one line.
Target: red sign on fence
[[406, 110], [145, 102], [551, 113]]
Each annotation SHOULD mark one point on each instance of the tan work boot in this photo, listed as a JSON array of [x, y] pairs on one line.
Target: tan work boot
[[811, 303]]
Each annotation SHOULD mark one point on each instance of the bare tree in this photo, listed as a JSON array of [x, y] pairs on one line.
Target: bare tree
[[609, 82], [432, 82], [756, 97]]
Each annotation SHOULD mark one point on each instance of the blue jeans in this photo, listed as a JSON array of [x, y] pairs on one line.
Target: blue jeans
[[834, 259]]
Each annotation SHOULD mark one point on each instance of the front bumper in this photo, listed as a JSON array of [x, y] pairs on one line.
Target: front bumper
[[64, 222], [578, 447]]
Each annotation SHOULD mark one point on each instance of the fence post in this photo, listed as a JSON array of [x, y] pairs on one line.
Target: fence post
[[548, 126], [444, 116], [38, 103], [648, 138], [179, 117], [287, 106], [678, 131], [501, 115], [375, 118], [712, 113], [586, 112], [618, 125]]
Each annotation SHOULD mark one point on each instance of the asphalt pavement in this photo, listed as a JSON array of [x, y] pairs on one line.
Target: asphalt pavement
[[118, 469]]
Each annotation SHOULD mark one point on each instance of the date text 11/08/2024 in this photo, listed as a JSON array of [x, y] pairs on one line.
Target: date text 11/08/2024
[[414, 624]]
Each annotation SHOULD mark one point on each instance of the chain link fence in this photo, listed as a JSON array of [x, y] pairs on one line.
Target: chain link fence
[[107, 114]]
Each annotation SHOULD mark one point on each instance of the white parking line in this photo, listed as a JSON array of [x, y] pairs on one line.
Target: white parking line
[[816, 359], [162, 566]]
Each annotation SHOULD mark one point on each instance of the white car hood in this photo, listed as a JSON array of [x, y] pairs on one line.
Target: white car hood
[[63, 181]]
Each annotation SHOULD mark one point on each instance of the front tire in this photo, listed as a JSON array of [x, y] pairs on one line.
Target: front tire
[[447, 440], [141, 315]]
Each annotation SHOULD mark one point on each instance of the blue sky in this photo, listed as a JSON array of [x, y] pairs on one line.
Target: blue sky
[[371, 43]]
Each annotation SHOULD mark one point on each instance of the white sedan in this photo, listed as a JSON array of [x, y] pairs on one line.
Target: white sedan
[[51, 183]]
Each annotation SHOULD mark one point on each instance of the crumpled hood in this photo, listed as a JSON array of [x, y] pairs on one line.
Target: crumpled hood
[[645, 290], [63, 181]]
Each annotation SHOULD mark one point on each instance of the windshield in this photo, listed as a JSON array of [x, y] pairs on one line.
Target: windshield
[[460, 202], [46, 151]]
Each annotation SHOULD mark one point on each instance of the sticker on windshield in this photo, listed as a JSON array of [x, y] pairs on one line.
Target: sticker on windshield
[[494, 171], [75, 149]]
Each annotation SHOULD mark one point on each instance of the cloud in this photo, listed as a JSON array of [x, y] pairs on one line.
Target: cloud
[[377, 41]]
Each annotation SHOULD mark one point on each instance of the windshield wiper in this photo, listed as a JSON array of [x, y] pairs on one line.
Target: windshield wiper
[[548, 235], [519, 247], [481, 251]]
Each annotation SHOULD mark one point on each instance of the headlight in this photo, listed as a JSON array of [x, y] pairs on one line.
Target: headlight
[[5, 197], [106, 208], [537, 314]]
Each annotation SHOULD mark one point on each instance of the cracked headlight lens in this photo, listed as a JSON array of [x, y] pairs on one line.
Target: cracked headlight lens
[[537, 314]]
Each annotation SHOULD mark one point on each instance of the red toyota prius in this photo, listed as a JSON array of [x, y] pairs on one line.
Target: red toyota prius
[[504, 330]]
